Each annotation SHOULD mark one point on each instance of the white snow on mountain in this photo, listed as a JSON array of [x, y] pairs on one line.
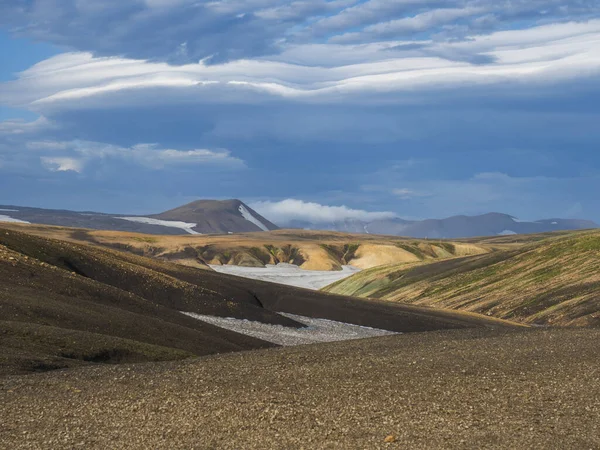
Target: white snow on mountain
[[187, 227], [250, 218], [10, 219], [317, 330], [9, 210], [507, 233]]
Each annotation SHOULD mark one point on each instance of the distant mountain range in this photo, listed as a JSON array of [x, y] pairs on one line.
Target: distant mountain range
[[200, 217], [451, 228], [234, 216]]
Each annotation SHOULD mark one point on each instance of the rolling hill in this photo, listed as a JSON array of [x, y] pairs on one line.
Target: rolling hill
[[65, 304], [554, 281], [310, 250]]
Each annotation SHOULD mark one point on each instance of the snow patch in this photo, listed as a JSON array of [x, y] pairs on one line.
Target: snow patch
[[250, 218], [554, 223], [9, 210], [187, 227], [507, 233], [10, 219], [317, 330], [290, 274]]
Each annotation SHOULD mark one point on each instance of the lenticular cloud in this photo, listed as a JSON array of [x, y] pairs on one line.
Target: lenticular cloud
[[544, 54]]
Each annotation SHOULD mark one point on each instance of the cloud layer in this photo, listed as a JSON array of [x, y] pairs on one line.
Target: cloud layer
[[286, 212], [184, 31], [534, 58], [420, 107]]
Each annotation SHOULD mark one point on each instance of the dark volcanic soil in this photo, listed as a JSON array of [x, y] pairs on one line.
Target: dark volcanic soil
[[476, 388], [64, 304]]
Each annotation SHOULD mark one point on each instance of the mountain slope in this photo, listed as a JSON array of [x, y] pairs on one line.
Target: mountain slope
[[455, 227], [553, 282], [218, 216], [200, 217], [66, 304]]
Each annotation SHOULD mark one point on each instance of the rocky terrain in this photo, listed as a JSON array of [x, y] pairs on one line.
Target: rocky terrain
[[466, 389]]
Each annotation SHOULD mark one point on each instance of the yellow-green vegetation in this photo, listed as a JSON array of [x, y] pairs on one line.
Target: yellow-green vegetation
[[555, 281]]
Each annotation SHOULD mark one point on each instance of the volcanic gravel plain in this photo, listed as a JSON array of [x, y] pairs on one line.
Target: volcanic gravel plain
[[476, 388]]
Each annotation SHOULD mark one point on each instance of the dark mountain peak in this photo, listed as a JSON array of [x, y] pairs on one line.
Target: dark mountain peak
[[230, 205], [218, 216]]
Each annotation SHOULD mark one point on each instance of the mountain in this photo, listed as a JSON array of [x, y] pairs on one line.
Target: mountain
[[234, 216], [199, 217], [553, 281], [454, 227], [67, 304], [218, 217]]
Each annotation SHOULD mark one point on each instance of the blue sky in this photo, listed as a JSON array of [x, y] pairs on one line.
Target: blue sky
[[421, 108]]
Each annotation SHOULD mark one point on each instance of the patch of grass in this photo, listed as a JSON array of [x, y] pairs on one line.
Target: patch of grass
[[349, 252], [342, 254], [545, 274], [260, 254], [449, 247], [146, 239], [414, 249], [335, 251], [292, 255]]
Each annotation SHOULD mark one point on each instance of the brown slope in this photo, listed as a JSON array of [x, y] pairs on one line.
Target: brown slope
[[74, 287], [34, 294]]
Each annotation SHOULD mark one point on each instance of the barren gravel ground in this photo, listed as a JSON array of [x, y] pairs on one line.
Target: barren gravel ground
[[455, 389]]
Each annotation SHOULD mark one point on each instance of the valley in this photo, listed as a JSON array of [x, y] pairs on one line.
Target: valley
[[146, 330], [66, 304]]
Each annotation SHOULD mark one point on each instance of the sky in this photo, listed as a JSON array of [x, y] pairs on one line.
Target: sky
[[310, 109]]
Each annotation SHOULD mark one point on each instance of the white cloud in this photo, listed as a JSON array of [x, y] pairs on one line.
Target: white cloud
[[407, 25], [62, 164], [284, 212], [76, 156], [19, 127], [407, 194], [233, 29]]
